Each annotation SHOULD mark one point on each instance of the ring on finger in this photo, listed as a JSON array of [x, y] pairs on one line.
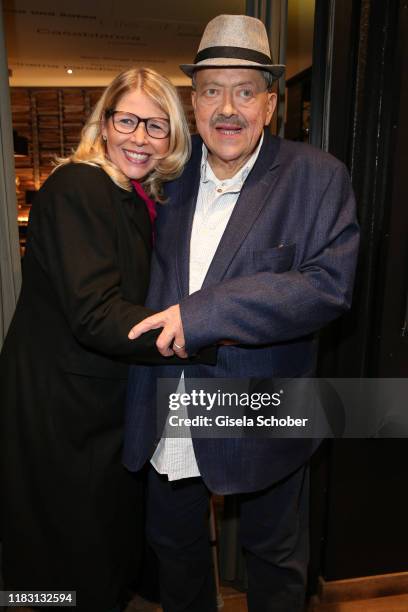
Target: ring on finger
[[178, 347]]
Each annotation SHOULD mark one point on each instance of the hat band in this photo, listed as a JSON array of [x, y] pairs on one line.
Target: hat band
[[233, 53]]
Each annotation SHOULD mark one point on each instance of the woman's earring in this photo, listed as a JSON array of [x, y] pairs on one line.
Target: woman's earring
[[104, 138]]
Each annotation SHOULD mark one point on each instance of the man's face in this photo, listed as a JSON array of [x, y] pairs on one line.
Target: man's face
[[231, 107]]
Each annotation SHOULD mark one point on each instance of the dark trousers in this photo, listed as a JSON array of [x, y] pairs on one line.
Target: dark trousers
[[273, 534]]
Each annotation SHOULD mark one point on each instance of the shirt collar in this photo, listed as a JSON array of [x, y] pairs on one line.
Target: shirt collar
[[236, 181]]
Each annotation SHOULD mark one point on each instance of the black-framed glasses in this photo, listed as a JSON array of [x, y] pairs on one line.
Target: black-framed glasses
[[126, 123]]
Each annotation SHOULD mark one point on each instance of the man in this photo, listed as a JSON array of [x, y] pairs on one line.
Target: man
[[256, 249]]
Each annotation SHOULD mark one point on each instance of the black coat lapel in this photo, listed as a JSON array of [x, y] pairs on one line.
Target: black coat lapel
[[136, 211], [252, 199]]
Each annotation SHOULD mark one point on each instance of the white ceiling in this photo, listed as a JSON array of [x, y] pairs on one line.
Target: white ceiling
[[96, 39]]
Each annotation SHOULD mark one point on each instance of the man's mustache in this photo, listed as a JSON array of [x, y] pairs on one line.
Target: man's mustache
[[232, 120]]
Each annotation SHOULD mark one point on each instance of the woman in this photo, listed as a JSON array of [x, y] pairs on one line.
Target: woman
[[70, 514]]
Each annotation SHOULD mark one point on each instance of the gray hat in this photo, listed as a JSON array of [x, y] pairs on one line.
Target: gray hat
[[234, 41]]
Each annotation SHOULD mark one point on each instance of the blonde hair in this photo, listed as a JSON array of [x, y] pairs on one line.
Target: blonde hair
[[92, 149]]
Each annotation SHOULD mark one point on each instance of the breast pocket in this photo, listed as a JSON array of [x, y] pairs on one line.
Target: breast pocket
[[275, 259]]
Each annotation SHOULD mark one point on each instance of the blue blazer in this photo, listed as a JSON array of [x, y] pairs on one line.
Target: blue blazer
[[284, 268]]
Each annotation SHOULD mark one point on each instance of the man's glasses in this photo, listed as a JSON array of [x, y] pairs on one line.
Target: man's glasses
[[126, 123]]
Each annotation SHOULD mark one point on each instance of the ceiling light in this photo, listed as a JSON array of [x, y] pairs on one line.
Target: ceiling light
[[70, 71]]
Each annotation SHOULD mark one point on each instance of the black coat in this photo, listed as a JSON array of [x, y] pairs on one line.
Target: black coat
[[70, 513]]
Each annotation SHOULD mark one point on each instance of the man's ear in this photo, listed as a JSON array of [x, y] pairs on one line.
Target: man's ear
[[194, 99], [271, 105]]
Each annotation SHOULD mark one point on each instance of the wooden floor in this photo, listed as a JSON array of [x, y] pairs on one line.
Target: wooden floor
[[395, 603], [235, 602]]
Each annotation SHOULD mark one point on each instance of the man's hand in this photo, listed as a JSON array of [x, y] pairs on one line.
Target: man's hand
[[171, 340]]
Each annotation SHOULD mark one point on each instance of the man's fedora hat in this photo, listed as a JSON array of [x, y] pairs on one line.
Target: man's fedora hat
[[234, 41]]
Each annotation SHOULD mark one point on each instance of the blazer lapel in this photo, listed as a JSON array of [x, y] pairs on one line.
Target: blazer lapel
[[188, 199], [250, 203]]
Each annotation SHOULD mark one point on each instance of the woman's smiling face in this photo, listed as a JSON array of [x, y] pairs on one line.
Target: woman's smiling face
[[135, 154]]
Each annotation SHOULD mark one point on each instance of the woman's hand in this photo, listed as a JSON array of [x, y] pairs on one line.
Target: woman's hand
[[171, 340]]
